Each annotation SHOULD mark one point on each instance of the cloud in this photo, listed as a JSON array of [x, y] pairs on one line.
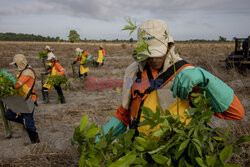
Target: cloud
[[113, 9]]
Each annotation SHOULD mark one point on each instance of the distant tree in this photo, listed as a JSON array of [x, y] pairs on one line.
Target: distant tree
[[131, 40], [222, 39], [57, 39], [73, 36]]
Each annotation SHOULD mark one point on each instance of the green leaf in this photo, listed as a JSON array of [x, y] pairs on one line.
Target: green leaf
[[147, 112], [115, 151], [132, 26], [157, 150], [82, 161], [159, 132], [226, 153], [181, 162], [160, 159], [83, 123], [139, 161], [140, 148], [124, 161], [190, 132], [200, 162], [236, 149], [142, 141], [210, 160], [102, 143], [184, 145], [243, 139], [197, 141], [218, 138], [227, 132], [92, 132], [211, 146], [198, 148]]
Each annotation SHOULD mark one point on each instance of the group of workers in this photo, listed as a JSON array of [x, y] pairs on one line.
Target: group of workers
[[169, 76], [26, 84]]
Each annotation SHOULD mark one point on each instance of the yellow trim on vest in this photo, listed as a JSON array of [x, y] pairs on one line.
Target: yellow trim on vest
[[23, 90], [152, 102]]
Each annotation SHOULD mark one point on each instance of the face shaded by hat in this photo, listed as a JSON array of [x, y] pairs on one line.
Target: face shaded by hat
[[20, 61], [155, 33]]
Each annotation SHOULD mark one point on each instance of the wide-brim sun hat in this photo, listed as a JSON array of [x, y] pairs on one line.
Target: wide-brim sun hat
[[51, 56], [156, 34], [47, 47], [78, 50], [20, 60]]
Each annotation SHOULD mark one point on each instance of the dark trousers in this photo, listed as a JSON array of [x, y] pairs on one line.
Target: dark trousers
[[82, 75], [26, 119], [57, 88]]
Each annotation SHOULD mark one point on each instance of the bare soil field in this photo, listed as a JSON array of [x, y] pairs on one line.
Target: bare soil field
[[55, 122]]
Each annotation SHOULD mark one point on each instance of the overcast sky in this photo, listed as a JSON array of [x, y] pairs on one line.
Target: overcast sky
[[104, 19]]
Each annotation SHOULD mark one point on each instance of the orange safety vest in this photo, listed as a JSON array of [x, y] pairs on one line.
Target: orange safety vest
[[56, 69], [146, 83], [26, 84]]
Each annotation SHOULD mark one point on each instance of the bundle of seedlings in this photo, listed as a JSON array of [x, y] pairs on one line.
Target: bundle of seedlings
[[59, 80]]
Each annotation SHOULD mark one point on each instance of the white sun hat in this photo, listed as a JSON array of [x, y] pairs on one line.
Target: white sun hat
[[51, 56], [78, 50], [47, 47], [155, 33], [20, 60]]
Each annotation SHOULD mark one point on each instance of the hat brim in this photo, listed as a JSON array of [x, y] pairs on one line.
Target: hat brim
[[159, 50], [156, 51], [12, 63]]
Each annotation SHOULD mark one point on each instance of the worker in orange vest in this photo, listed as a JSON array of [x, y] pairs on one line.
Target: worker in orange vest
[[163, 76], [26, 88], [53, 69], [83, 57]]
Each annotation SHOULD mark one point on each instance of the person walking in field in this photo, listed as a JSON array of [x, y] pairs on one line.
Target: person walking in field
[[101, 55], [83, 57], [53, 69], [26, 87], [163, 76]]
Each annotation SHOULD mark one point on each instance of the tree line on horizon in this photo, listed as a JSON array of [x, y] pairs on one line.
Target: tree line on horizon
[[75, 37]]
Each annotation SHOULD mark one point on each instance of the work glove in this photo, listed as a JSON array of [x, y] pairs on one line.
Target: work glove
[[220, 95], [8, 75], [89, 57], [118, 127]]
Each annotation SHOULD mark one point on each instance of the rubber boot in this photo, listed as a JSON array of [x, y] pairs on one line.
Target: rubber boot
[[45, 97], [61, 99], [34, 138], [43, 93]]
